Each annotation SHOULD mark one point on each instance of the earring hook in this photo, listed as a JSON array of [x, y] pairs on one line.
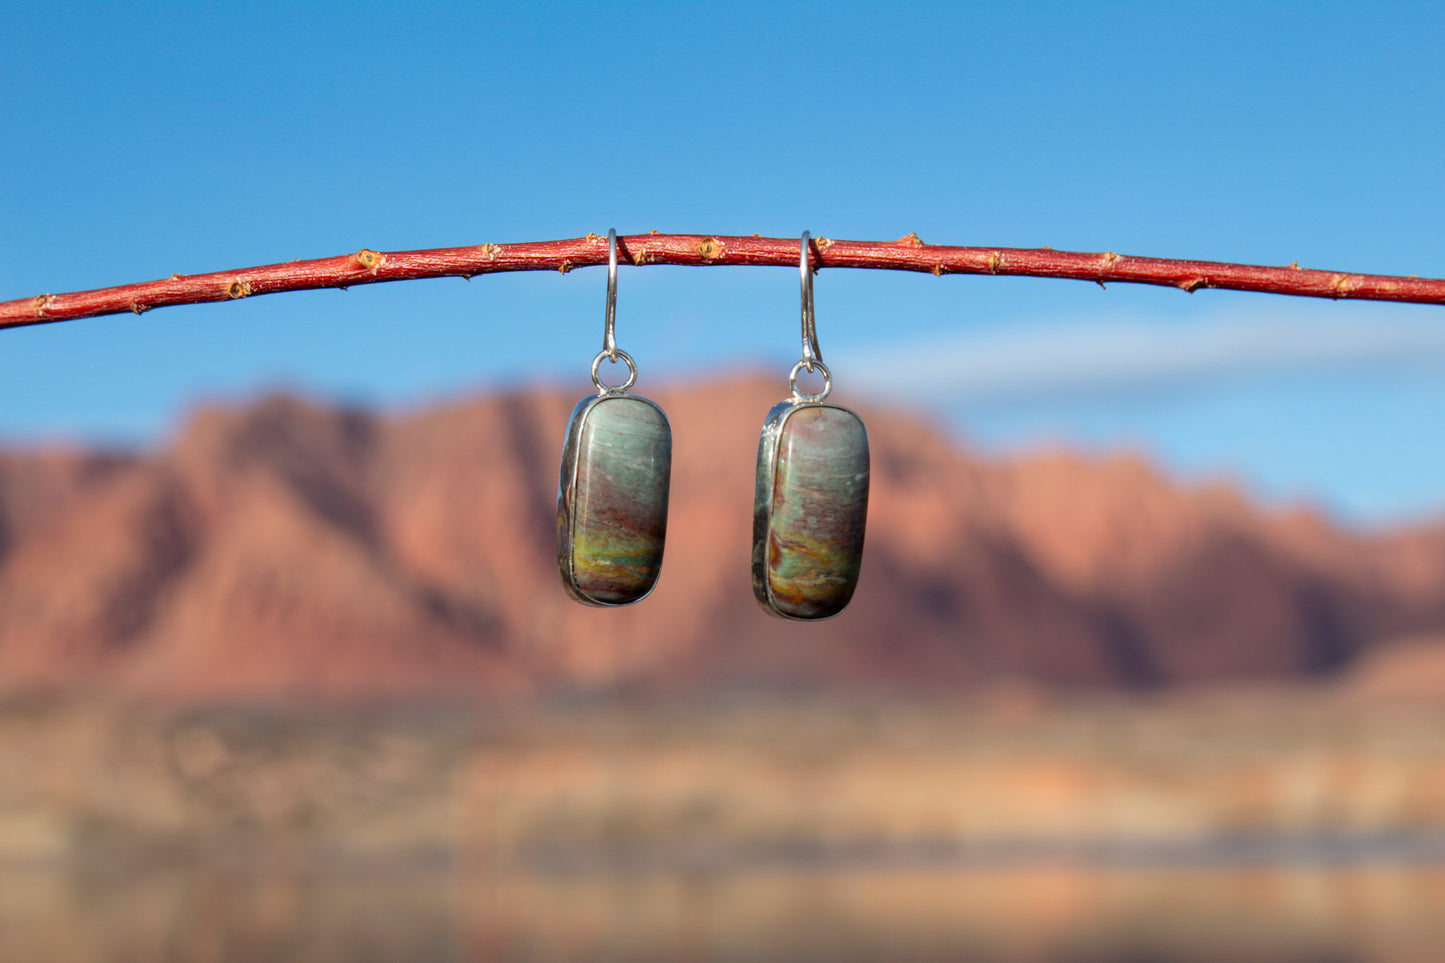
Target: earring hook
[[610, 352], [609, 332], [812, 353]]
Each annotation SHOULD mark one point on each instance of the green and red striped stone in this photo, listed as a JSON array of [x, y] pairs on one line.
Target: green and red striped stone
[[612, 503], [811, 510]]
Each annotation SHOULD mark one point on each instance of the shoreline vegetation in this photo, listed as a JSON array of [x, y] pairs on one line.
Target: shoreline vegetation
[[1007, 779], [1291, 826]]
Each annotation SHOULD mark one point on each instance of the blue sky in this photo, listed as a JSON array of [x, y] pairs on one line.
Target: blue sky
[[143, 139]]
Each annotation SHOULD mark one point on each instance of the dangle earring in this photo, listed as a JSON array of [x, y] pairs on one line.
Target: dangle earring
[[612, 493], [812, 492]]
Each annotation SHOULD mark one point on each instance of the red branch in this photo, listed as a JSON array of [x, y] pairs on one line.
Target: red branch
[[906, 254]]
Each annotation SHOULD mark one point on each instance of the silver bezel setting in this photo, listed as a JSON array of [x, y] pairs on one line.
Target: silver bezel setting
[[763, 489], [566, 489]]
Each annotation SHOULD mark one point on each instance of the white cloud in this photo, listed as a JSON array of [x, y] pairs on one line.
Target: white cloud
[[1106, 359]]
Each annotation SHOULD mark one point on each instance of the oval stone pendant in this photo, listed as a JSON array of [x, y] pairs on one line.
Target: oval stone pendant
[[612, 499], [810, 509]]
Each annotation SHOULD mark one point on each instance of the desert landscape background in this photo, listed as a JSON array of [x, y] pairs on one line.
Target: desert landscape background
[[286, 550], [301, 683]]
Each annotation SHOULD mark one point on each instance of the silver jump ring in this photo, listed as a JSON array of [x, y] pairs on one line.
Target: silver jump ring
[[617, 355], [609, 329], [817, 365]]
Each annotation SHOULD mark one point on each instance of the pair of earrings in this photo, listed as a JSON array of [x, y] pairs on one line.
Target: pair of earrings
[[810, 502]]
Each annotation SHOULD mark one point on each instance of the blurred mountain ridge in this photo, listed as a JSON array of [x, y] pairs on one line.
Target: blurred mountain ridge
[[292, 550]]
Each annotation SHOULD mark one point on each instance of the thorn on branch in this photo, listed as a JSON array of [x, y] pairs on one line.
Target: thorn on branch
[[1294, 265], [938, 270], [565, 266], [911, 239], [1192, 285]]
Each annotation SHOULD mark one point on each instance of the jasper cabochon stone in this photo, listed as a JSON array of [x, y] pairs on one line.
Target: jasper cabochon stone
[[813, 536], [610, 536]]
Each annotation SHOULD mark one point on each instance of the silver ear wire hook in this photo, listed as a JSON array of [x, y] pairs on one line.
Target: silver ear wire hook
[[609, 333], [610, 351], [812, 353]]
